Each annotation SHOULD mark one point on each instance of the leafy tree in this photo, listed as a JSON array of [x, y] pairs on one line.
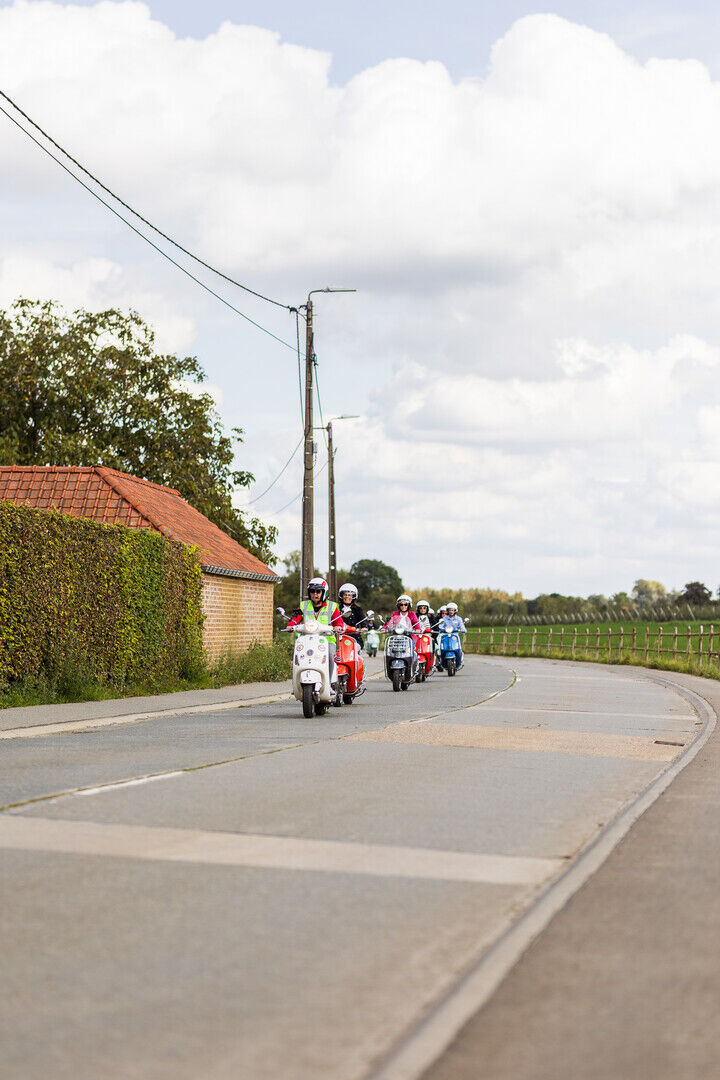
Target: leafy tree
[[695, 593], [648, 592], [89, 388], [287, 590], [378, 584]]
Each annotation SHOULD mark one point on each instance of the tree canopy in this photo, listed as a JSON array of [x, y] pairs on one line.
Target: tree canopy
[[89, 388]]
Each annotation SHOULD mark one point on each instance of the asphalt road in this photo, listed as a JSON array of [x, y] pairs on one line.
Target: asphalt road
[[248, 894]]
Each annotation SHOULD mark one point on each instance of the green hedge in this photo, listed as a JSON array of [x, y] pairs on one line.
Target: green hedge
[[117, 604]]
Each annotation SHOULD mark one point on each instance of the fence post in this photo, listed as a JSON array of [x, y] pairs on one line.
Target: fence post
[[660, 642], [532, 642], [634, 640], [574, 639], [492, 639], [710, 642], [597, 642], [688, 645], [675, 635], [609, 642], [620, 643], [647, 642], [587, 640], [505, 640], [517, 642], [562, 639]]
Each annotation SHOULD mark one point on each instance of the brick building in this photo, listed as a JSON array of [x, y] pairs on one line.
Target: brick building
[[237, 589]]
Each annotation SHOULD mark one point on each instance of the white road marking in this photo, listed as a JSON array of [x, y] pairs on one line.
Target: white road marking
[[270, 852]]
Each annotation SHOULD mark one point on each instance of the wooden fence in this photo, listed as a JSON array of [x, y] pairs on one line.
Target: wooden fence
[[700, 645]]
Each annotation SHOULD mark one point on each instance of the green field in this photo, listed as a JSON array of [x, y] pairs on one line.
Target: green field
[[680, 646]]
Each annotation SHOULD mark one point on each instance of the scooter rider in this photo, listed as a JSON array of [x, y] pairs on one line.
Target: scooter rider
[[317, 606], [450, 622], [351, 611], [403, 610], [422, 610], [441, 611]]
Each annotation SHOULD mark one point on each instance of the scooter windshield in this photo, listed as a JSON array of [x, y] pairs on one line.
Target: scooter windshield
[[403, 623]]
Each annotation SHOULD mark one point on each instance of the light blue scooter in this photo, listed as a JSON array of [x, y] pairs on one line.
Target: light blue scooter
[[450, 651]]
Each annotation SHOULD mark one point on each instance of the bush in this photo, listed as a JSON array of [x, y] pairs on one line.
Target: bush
[[96, 603]]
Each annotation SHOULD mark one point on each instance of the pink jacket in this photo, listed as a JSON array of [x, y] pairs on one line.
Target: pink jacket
[[410, 615]]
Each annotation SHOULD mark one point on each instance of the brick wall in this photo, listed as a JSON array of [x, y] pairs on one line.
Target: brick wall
[[237, 613]]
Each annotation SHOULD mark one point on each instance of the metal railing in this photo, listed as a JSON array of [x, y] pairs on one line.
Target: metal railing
[[700, 644]]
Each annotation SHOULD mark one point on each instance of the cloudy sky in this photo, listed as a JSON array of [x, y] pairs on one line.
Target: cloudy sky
[[528, 204]]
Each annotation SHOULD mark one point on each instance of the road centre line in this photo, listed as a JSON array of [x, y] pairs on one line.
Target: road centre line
[[271, 852], [537, 740]]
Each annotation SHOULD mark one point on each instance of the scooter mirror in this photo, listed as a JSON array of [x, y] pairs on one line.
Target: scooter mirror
[[370, 612], [280, 610]]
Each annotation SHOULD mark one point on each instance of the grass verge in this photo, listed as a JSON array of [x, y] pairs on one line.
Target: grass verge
[[691, 666], [260, 663]]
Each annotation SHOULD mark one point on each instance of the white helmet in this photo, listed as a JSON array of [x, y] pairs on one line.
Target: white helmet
[[422, 603], [452, 608], [348, 587], [318, 583], [404, 599], [443, 607]]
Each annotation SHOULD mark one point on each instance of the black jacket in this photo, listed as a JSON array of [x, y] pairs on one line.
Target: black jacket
[[352, 615]]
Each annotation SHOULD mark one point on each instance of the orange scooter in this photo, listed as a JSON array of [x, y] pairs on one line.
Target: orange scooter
[[350, 668]]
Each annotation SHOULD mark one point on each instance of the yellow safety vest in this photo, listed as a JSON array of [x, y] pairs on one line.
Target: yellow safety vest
[[323, 616]]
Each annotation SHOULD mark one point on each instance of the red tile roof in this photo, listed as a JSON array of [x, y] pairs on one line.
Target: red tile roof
[[114, 498]]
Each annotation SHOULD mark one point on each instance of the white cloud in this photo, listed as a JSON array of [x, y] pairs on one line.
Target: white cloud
[[535, 340]]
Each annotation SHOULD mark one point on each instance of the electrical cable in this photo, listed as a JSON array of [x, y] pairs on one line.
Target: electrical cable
[[134, 212], [144, 237], [299, 359], [317, 395], [274, 482], [299, 495]]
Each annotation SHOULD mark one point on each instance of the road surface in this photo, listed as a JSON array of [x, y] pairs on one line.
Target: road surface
[[248, 894]]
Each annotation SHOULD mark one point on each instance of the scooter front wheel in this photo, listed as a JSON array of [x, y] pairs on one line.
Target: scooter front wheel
[[404, 686], [348, 699], [451, 667], [396, 680], [320, 708], [307, 700]]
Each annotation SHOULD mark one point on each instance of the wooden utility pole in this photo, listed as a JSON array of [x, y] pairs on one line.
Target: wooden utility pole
[[308, 558], [332, 557]]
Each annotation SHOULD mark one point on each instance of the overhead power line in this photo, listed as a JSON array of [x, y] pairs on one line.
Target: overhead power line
[[299, 494], [274, 482], [142, 235], [135, 212]]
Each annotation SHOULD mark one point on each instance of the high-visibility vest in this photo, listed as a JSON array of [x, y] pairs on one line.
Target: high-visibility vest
[[323, 616]]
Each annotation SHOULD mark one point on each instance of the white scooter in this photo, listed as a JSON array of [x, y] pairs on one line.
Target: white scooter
[[312, 671]]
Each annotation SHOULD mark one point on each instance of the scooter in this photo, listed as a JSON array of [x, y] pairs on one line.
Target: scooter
[[426, 655], [449, 650], [401, 661], [350, 668], [372, 642], [312, 674]]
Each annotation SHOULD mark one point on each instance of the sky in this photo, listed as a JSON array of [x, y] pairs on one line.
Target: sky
[[527, 202]]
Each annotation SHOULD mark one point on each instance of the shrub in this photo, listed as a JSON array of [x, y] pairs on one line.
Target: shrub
[[116, 604]]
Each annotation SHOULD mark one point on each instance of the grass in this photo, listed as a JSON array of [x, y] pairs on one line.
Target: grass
[[260, 663], [656, 645]]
